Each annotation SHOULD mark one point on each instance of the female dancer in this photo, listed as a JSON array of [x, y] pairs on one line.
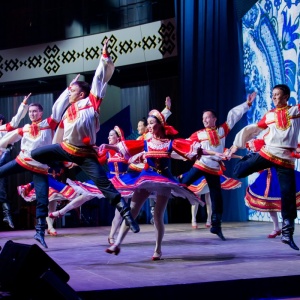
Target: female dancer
[[143, 133], [156, 175]]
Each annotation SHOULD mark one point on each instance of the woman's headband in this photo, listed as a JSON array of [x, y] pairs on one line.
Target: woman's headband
[[119, 132]]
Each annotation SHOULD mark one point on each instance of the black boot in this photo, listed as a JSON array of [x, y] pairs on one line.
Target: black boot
[[216, 220], [40, 231], [124, 211], [7, 216], [287, 233]]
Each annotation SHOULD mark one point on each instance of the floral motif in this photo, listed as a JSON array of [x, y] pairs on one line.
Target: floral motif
[[271, 56], [289, 32]]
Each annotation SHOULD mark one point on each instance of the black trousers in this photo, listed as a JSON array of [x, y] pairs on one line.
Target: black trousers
[[51, 154], [253, 162], [4, 158], [41, 185], [214, 185]]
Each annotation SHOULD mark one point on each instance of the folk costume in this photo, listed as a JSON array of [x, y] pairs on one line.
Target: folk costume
[[139, 166], [280, 142], [5, 157], [33, 136], [76, 138], [155, 177], [264, 193], [211, 167]]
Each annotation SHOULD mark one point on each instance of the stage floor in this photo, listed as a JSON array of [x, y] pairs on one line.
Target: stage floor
[[190, 256]]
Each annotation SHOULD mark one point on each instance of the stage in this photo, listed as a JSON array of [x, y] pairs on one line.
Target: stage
[[195, 262]]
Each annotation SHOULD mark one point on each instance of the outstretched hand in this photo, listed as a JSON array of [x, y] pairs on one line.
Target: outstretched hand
[[75, 79], [221, 155], [251, 98], [102, 147], [26, 98], [168, 102], [105, 46], [229, 153]]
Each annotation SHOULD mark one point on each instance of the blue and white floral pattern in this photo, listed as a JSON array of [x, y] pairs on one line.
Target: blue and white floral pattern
[[271, 35]]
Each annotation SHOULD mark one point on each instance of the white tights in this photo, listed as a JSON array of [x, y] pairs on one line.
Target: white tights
[[274, 217], [78, 201], [194, 209], [51, 208], [115, 224], [137, 201]]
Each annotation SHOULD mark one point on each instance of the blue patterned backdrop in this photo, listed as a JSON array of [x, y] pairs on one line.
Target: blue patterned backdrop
[[271, 41]]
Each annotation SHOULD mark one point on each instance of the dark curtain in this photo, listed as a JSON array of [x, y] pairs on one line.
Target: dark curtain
[[211, 75]]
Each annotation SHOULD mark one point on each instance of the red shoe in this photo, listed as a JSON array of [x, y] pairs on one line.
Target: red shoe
[[54, 217], [194, 225], [52, 233], [114, 251], [274, 233], [207, 224], [156, 256]]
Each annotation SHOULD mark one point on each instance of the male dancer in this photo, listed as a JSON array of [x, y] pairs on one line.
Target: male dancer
[[5, 157], [281, 141], [37, 134], [212, 137], [76, 135]]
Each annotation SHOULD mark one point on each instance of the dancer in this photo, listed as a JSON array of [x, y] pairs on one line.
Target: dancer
[[5, 157], [37, 134], [117, 166], [283, 124], [143, 132], [156, 175], [212, 137], [76, 135]]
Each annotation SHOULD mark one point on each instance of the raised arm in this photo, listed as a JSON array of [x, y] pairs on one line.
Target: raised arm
[[21, 113], [236, 113], [167, 110], [103, 74]]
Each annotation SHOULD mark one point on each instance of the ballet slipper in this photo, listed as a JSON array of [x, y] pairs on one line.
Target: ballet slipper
[[52, 232], [113, 250], [157, 256], [194, 225], [274, 233], [55, 214], [208, 224]]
